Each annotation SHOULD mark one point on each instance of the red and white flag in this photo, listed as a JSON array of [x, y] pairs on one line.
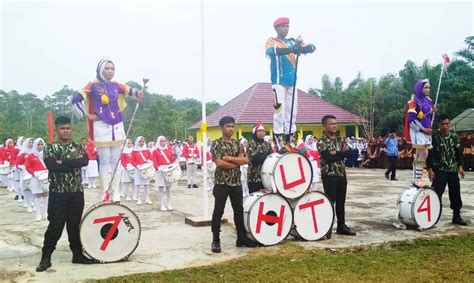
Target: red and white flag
[[446, 62]]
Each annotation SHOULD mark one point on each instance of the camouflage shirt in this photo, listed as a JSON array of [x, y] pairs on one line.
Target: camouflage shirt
[[257, 153], [219, 149], [64, 182], [446, 152], [331, 165]]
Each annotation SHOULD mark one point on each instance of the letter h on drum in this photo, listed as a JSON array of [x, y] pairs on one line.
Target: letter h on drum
[[270, 218]]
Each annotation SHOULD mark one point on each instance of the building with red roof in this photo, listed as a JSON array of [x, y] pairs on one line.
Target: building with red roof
[[256, 105]]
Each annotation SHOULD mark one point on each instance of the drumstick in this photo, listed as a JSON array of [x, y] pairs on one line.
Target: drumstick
[[109, 187]]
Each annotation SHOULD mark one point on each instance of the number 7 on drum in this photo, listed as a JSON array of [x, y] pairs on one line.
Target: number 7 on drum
[[110, 234]]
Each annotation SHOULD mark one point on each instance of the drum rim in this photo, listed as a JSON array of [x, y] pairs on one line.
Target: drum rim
[[98, 204], [413, 208], [248, 219], [273, 175], [332, 220]]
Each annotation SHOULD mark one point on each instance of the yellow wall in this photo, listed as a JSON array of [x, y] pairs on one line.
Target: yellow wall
[[215, 132]]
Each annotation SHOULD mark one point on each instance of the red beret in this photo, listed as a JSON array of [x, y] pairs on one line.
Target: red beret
[[281, 21]]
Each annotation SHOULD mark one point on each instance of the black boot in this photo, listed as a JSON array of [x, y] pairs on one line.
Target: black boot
[[78, 257], [216, 243], [45, 262], [242, 241], [344, 230], [457, 219]]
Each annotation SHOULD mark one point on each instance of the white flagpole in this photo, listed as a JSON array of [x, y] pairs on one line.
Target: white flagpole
[[205, 201], [437, 92]]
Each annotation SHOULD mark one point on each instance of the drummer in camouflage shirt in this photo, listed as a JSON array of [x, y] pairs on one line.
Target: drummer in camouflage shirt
[[228, 154], [333, 172], [64, 160]]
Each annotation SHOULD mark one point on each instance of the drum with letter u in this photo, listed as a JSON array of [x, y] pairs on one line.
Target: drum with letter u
[[289, 174], [110, 232], [313, 216], [419, 207], [171, 173], [267, 218], [147, 171], [5, 168]]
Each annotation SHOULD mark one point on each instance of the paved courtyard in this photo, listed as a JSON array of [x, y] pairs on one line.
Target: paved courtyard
[[168, 243]]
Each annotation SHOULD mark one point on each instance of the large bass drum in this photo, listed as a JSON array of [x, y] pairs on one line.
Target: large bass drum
[[110, 232], [267, 218], [313, 216], [289, 174], [419, 207]]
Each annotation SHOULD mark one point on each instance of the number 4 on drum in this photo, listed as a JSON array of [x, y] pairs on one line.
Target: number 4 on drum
[[427, 208], [110, 234]]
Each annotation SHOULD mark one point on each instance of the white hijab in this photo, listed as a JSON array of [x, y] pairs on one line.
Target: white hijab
[[310, 146], [158, 143], [137, 147], [24, 147], [126, 149], [35, 147]]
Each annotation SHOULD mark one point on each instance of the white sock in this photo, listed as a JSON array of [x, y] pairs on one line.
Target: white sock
[[45, 204], [38, 204], [168, 195]]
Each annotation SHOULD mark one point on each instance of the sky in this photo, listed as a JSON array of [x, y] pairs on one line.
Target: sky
[[45, 45]]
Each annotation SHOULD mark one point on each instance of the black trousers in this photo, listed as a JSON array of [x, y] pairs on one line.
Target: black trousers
[[452, 180], [64, 209], [392, 168], [336, 188], [221, 192], [255, 187]]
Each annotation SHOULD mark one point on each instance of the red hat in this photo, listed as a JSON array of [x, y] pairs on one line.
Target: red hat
[[281, 21], [258, 126]]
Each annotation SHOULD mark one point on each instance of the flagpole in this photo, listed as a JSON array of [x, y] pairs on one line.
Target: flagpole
[[437, 92], [205, 201]]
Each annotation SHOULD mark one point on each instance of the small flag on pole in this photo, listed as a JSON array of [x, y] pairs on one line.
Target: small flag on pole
[[446, 62]]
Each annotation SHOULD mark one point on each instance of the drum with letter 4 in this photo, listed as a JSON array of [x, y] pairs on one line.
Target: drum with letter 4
[[147, 171], [42, 177], [267, 218], [289, 174], [171, 173], [313, 215], [419, 207], [110, 232]]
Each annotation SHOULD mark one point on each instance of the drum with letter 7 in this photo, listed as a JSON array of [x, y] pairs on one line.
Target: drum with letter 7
[[147, 171], [171, 173], [110, 232]]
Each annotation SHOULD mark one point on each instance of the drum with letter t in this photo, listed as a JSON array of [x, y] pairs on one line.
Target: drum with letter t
[[289, 174], [420, 208], [109, 232], [267, 218], [313, 216]]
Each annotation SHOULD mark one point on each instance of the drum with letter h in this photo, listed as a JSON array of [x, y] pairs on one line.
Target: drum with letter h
[[5, 168], [419, 207], [171, 173], [267, 218], [289, 174], [110, 232], [147, 171], [313, 215], [42, 177]]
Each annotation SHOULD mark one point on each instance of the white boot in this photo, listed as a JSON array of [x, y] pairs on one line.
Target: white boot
[[161, 199], [147, 195], [168, 198], [116, 186], [104, 179], [45, 206]]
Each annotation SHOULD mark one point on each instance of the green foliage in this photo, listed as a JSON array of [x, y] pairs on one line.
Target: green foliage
[[381, 103], [157, 115]]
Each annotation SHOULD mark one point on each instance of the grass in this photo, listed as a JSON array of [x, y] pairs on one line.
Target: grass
[[443, 259]]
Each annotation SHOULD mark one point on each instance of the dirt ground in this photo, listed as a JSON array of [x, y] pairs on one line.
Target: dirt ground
[[168, 243]]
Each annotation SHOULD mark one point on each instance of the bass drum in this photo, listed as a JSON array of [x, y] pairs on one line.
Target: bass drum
[[289, 174], [419, 207], [267, 218], [110, 232], [313, 216]]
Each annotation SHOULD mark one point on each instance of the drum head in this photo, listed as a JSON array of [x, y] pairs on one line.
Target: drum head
[[313, 216], [292, 175], [110, 232], [269, 219], [426, 208]]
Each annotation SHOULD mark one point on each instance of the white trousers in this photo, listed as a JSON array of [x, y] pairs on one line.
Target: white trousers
[[282, 96]]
